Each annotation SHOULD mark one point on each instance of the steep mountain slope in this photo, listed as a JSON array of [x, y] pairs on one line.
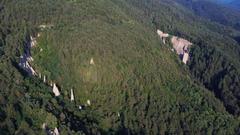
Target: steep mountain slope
[[235, 4], [214, 12], [125, 80], [216, 51], [222, 77]]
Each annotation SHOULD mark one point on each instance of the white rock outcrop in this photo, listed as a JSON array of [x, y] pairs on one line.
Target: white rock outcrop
[[72, 95], [33, 42], [26, 58], [25, 65], [44, 125], [45, 26], [180, 45], [163, 35], [185, 57], [56, 132], [44, 79], [92, 62], [56, 90], [88, 102]]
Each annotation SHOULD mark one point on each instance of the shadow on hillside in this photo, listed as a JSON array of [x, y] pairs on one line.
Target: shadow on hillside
[[237, 39]]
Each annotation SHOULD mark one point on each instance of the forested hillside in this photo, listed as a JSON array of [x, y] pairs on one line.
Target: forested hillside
[[221, 14], [125, 80], [235, 4]]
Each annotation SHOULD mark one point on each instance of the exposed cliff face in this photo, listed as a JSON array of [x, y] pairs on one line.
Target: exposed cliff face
[[180, 45], [163, 36], [26, 58], [124, 80]]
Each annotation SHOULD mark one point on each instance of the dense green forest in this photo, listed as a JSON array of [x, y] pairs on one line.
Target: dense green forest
[[136, 85], [214, 62]]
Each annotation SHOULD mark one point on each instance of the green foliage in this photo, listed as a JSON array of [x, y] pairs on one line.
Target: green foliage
[[136, 85]]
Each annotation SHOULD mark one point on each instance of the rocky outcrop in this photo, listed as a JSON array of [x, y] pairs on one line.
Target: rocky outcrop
[[56, 90], [45, 26], [26, 58], [185, 57], [50, 131], [55, 132], [180, 45], [92, 62], [88, 102], [72, 95], [163, 36], [33, 42]]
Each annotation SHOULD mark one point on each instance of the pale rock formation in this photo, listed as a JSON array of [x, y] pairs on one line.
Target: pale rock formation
[[56, 132], [72, 96], [180, 44], [181, 47], [24, 64], [38, 35], [33, 42], [30, 59], [56, 90], [26, 58], [92, 62], [80, 107], [163, 35], [41, 49], [44, 79], [40, 75], [44, 125], [33, 72], [185, 57], [89, 102], [45, 26]]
